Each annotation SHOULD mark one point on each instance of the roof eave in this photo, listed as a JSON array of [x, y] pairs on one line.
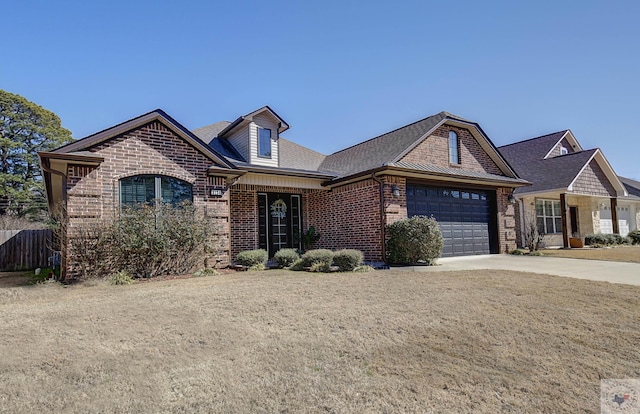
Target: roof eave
[[412, 173]]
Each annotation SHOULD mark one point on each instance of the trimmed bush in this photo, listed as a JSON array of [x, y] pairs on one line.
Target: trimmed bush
[[297, 265], [634, 237], [348, 259], [414, 240], [320, 267], [286, 257], [312, 257], [517, 252], [597, 240], [252, 258]]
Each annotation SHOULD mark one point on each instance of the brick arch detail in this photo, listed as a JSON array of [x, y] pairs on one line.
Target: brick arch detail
[[184, 177]]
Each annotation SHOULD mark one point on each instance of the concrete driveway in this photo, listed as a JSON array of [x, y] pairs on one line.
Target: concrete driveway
[[614, 272]]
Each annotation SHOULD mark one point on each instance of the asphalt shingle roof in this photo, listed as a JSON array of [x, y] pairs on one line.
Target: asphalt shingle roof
[[382, 149], [632, 186], [298, 157], [456, 172], [527, 159]]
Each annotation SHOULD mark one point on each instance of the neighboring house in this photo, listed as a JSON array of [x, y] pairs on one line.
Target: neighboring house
[[266, 191], [575, 192]]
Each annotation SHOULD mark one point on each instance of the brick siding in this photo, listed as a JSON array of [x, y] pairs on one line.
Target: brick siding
[[434, 150], [93, 193]]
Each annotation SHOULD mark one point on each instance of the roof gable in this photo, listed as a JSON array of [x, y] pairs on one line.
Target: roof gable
[[157, 115], [389, 149], [242, 120]]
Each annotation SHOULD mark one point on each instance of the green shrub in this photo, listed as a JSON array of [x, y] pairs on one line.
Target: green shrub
[[121, 278], [348, 259], [297, 266], [516, 252], [634, 236], [251, 258], [414, 240], [596, 240], [321, 267], [206, 272], [363, 269], [535, 253], [257, 267], [286, 257], [312, 257]]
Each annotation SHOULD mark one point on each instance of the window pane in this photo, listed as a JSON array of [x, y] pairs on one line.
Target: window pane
[[541, 225], [454, 148], [264, 142], [548, 210], [549, 224], [138, 189], [174, 190], [558, 225], [556, 208], [539, 207]]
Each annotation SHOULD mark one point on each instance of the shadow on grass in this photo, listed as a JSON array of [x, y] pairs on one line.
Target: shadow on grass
[[23, 278]]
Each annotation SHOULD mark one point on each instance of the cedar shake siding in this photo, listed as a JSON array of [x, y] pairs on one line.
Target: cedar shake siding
[[556, 150], [93, 193], [593, 181], [434, 150]]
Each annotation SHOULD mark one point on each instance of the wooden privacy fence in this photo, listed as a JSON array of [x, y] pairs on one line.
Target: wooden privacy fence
[[24, 249]]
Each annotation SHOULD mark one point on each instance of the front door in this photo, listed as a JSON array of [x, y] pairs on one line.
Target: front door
[[279, 221], [575, 228]]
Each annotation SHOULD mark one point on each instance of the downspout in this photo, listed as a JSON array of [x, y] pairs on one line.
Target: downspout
[[382, 217], [63, 259]]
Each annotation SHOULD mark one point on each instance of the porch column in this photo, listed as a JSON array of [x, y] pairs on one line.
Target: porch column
[[565, 228], [614, 215]]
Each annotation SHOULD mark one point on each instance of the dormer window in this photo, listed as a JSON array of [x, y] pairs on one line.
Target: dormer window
[[264, 143], [563, 151], [454, 148]]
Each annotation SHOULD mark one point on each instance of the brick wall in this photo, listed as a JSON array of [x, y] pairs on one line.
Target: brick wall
[[434, 150], [93, 193], [593, 181], [244, 219], [348, 217]]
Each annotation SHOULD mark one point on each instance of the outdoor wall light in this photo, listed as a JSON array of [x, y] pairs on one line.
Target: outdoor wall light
[[511, 199], [395, 190]]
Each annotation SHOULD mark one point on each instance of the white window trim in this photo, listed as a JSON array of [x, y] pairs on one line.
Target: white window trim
[[553, 215], [457, 148], [270, 156]]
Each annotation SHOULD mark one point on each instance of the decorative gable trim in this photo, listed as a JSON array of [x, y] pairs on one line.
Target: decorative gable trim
[[568, 135], [158, 116]]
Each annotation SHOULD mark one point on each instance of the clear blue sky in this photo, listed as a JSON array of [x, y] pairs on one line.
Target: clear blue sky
[[338, 72]]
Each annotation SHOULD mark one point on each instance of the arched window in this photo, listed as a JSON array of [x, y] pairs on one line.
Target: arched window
[[147, 188], [454, 148]]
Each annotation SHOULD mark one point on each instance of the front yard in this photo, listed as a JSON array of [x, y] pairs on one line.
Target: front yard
[[615, 254], [276, 341]]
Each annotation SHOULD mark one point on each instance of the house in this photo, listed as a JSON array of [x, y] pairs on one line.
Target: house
[[265, 191], [575, 192]]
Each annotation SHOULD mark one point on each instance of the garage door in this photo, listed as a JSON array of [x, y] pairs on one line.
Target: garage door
[[606, 222], [464, 216]]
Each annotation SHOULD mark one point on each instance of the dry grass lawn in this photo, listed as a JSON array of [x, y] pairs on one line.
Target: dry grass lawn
[[278, 341], [614, 254]]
